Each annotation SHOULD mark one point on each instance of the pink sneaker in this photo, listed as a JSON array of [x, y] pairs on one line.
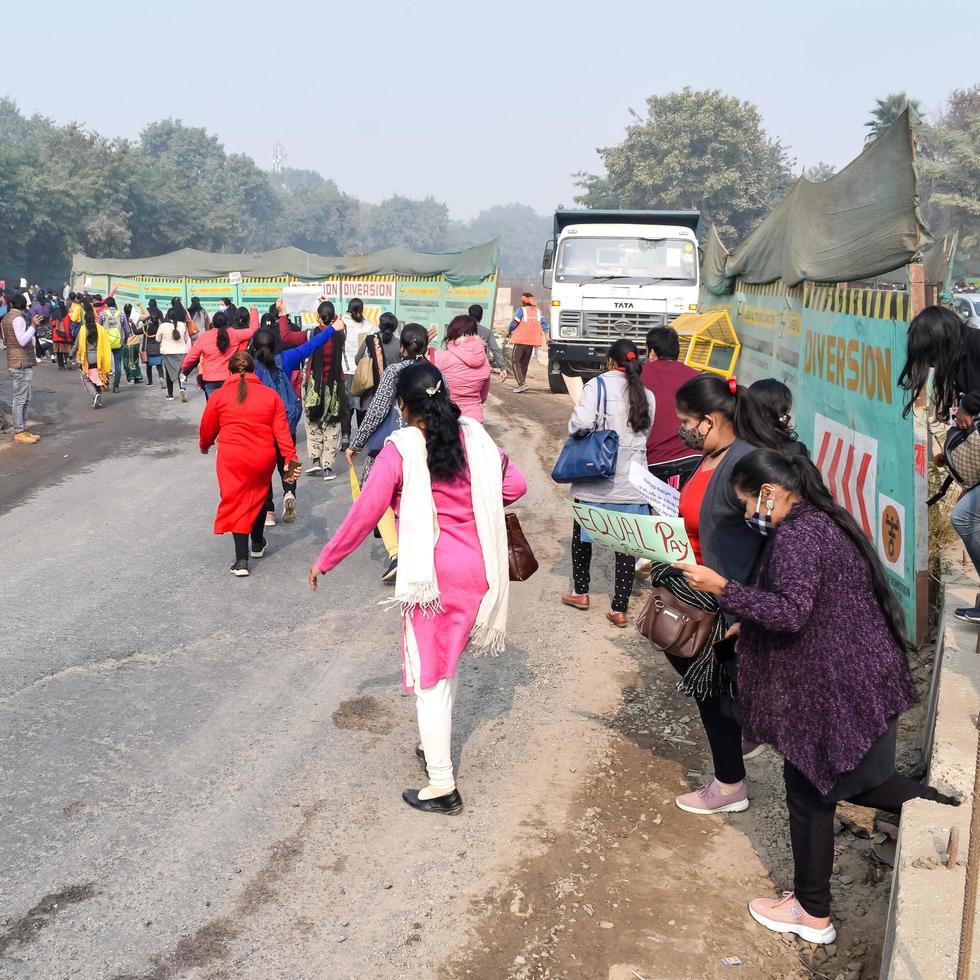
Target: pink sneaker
[[710, 799], [787, 915]]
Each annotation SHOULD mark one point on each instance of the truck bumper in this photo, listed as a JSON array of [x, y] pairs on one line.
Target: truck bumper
[[577, 358]]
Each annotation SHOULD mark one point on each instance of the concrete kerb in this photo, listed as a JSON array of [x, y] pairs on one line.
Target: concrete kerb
[[922, 937]]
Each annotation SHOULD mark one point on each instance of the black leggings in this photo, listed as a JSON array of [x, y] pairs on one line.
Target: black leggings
[[62, 360], [149, 373], [811, 828], [287, 486], [724, 735], [582, 570], [258, 536]]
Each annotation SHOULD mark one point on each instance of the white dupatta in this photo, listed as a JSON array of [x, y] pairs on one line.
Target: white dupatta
[[416, 584]]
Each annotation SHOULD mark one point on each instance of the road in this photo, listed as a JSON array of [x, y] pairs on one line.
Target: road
[[201, 776]]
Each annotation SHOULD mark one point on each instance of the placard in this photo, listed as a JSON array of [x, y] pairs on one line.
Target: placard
[[661, 539], [662, 497]]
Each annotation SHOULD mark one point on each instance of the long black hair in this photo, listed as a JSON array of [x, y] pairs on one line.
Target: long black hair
[[425, 395], [220, 323], [326, 313], [799, 476], [935, 340], [243, 318], [176, 314], [708, 393], [355, 310], [264, 347], [626, 355], [776, 402]]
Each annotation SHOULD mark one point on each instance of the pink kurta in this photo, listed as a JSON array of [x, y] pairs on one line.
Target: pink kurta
[[441, 637]]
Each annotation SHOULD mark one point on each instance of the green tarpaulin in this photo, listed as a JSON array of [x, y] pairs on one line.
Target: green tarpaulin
[[464, 268], [862, 222]]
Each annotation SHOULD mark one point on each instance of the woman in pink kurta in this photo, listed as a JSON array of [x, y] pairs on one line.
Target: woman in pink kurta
[[436, 637]]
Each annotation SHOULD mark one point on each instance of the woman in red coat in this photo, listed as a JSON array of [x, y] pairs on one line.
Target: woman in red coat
[[251, 421]]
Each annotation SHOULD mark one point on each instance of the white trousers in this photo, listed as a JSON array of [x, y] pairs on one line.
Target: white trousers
[[434, 707]]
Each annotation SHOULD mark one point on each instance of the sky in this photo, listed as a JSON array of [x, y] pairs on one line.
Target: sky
[[483, 104]]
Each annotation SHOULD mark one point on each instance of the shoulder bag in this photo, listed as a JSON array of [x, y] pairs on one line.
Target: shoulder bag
[[592, 455], [520, 558], [675, 626], [363, 379]]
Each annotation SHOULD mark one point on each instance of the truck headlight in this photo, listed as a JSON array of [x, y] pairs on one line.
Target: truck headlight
[[568, 332]]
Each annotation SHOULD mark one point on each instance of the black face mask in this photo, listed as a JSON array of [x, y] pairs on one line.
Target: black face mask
[[692, 437]]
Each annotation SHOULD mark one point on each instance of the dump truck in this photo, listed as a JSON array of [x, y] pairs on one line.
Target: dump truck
[[615, 274]]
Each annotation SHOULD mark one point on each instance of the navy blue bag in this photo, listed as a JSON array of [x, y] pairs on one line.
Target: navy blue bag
[[279, 382], [376, 441], [590, 455]]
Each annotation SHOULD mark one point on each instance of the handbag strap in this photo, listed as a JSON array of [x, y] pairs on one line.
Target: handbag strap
[[600, 407]]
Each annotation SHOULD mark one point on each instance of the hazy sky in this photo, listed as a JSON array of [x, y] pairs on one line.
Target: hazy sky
[[479, 104]]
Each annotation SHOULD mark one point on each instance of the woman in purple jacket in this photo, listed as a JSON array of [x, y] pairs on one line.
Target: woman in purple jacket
[[822, 671]]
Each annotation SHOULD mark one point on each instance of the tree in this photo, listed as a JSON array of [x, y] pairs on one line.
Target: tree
[[694, 150], [949, 170], [422, 225], [521, 230], [314, 214], [887, 110], [819, 172]]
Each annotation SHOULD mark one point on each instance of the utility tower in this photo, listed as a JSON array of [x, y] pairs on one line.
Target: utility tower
[[278, 157]]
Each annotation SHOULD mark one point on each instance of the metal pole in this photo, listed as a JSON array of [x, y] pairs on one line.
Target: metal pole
[[972, 873]]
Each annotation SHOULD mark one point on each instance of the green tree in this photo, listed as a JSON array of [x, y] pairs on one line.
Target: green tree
[[819, 172], [314, 214], [949, 170], [694, 150], [521, 230], [420, 224], [887, 110]]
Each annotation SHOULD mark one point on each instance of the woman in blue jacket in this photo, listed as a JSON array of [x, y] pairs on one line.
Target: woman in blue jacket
[[274, 367]]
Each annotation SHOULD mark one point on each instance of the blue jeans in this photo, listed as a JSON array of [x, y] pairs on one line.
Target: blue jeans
[[210, 387], [117, 364], [966, 519]]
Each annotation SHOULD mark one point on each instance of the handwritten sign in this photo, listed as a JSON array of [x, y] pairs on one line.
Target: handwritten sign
[[662, 497], [235, 278], [661, 539]]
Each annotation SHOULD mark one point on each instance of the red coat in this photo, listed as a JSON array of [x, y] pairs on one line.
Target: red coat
[[248, 435]]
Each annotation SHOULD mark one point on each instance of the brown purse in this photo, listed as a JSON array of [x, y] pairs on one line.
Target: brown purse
[[520, 558], [673, 625]]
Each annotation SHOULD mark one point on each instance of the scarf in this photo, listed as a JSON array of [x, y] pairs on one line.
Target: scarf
[[103, 351], [416, 585]]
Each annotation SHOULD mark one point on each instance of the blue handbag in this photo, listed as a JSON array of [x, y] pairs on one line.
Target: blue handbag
[[591, 455], [376, 441]]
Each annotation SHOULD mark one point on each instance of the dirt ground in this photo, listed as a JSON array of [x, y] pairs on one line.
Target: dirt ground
[[627, 886]]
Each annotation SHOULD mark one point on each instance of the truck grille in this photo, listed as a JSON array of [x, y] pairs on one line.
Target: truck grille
[[633, 326]]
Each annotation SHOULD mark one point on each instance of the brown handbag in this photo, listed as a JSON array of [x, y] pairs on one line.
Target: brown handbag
[[674, 626], [520, 558]]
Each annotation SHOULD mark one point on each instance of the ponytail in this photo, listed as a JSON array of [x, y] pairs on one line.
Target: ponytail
[[423, 391], [798, 475], [223, 340], [241, 363], [625, 354]]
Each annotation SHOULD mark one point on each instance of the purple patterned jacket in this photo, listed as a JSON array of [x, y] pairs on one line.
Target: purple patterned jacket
[[819, 672]]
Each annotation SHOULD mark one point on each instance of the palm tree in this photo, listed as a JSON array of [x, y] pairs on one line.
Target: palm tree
[[887, 110]]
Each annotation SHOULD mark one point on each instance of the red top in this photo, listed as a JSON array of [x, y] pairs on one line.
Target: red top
[[692, 497], [662, 379]]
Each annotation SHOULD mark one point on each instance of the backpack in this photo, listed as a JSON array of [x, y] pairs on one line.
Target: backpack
[[279, 382], [962, 452], [113, 327]]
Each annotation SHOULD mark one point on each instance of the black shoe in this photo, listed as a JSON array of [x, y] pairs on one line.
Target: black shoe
[[115, 389], [420, 755], [258, 548], [391, 571], [450, 805], [240, 568]]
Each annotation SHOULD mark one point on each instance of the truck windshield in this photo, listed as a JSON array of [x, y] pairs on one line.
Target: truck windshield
[[588, 259]]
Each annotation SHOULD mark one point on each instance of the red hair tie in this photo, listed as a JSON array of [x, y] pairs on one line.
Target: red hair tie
[[733, 385], [630, 356]]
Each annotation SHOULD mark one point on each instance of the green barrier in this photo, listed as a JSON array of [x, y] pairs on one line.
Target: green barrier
[[840, 351]]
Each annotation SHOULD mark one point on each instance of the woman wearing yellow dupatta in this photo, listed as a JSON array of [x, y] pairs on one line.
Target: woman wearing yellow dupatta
[[94, 354]]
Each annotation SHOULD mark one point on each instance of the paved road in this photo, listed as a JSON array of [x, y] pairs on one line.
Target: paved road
[[200, 776]]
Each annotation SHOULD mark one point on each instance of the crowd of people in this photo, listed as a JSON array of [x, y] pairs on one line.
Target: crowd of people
[[803, 646]]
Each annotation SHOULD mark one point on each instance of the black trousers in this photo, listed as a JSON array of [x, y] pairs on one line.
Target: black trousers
[[257, 535], [288, 486], [582, 570], [811, 828], [683, 469], [724, 735], [521, 361]]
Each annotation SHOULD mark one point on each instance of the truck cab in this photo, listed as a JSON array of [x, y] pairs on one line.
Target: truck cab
[[615, 274]]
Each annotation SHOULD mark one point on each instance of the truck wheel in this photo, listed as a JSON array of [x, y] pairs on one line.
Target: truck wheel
[[557, 383]]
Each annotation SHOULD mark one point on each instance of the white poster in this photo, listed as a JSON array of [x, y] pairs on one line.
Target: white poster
[[848, 461], [662, 497], [891, 543]]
